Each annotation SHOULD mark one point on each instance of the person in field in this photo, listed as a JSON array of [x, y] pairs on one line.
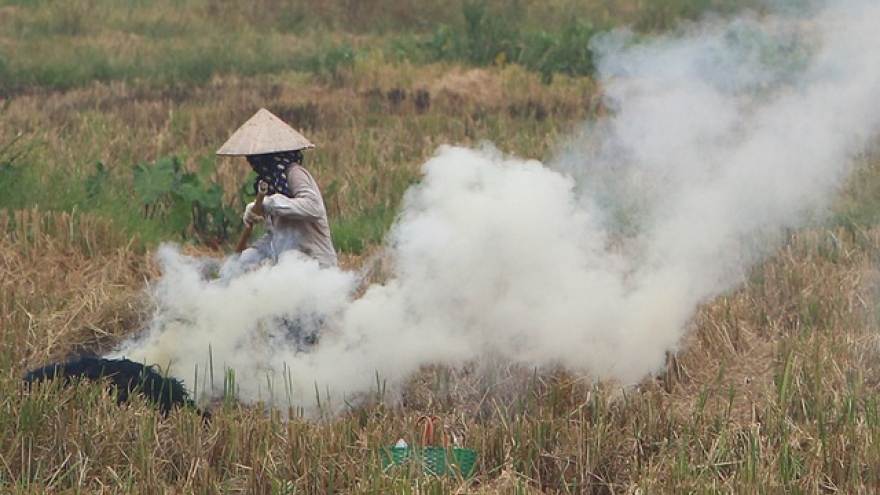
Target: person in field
[[293, 208]]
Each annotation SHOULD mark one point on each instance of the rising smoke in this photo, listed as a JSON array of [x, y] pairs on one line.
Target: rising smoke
[[718, 137]]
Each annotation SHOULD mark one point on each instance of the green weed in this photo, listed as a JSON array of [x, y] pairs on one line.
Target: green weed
[[189, 203], [13, 178]]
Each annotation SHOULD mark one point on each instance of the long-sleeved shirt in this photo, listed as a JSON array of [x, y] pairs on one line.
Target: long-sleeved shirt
[[303, 216]]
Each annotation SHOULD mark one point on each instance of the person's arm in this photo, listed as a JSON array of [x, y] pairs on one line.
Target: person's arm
[[305, 203]]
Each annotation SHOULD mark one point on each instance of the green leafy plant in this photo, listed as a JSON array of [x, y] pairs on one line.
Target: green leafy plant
[[188, 202], [566, 51], [487, 33], [96, 181]]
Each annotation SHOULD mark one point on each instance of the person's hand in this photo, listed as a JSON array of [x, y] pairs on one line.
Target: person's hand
[[249, 216]]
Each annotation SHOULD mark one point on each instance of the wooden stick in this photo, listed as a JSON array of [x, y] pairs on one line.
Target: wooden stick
[[263, 188]]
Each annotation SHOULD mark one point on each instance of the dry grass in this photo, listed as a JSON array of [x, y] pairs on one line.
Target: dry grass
[[774, 389], [69, 281]]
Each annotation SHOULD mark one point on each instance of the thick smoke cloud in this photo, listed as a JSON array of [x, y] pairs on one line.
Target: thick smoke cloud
[[718, 137]]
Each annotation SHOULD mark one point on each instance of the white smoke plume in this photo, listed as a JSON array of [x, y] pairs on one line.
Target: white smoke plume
[[718, 137]]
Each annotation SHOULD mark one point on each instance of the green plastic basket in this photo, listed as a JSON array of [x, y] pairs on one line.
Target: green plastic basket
[[437, 461]]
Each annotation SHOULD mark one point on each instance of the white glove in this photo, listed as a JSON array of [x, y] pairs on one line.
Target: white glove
[[249, 216]]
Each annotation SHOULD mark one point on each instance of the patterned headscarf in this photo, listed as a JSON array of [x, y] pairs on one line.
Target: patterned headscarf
[[272, 168]]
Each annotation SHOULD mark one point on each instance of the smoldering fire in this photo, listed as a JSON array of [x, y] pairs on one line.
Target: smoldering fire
[[594, 260]]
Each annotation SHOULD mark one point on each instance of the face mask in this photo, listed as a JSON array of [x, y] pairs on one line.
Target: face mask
[[272, 169]]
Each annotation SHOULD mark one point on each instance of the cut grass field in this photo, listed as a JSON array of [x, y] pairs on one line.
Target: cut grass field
[[775, 389]]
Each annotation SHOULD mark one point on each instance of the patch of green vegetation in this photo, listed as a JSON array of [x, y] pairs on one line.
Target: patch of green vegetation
[[183, 62], [489, 37], [327, 65], [188, 203], [354, 234], [667, 14], [14, 174]]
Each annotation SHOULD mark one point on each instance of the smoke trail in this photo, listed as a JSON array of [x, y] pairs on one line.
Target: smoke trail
[[720, 136]]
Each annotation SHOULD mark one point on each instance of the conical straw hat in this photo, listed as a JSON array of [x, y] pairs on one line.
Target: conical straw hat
[[264, 133]]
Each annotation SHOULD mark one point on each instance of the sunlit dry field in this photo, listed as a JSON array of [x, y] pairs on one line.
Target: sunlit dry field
[[772, 388]]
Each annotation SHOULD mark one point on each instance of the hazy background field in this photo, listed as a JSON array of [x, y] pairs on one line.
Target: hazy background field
[[110, 113]]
